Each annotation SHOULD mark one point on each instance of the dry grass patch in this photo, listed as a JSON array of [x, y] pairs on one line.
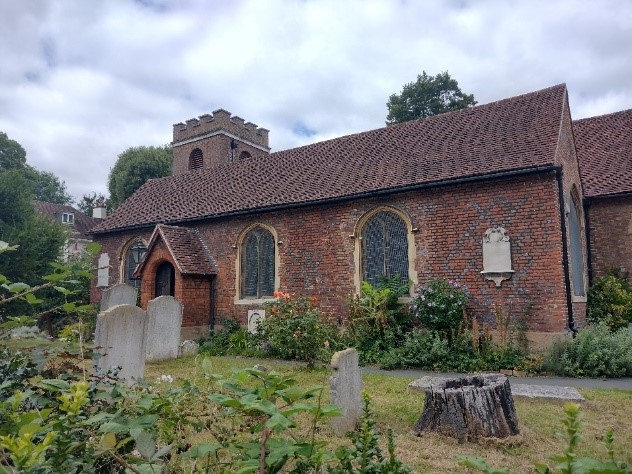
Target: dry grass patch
[[394, 407]]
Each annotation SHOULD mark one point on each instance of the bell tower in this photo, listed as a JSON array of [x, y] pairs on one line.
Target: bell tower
[[215, 139]]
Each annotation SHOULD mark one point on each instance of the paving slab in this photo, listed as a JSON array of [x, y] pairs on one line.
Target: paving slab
[[550, 392]]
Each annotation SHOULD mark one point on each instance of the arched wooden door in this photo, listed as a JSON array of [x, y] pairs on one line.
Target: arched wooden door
[[165, 280]]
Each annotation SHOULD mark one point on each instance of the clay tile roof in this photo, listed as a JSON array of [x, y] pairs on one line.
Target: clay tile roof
[[189, 252], [82, 223], [512, 134], [604, 152]]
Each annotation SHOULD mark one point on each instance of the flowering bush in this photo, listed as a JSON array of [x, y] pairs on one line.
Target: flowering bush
[[440, 305], [295, 329]]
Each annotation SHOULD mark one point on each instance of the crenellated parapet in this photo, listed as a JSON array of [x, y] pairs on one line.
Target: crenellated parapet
[[220, 120]]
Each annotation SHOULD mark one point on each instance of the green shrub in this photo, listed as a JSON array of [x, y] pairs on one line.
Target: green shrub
[[15, 369], [594, 352], [218, 342], [377, 322], [440, 305], [610, 301], [296, 330]]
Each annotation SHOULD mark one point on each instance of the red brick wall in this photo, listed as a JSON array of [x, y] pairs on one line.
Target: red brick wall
[[114, 245], [192, 291], [316, 252], [610, 228]]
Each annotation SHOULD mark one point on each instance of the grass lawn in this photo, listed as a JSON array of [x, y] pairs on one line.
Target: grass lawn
[[398, 409]]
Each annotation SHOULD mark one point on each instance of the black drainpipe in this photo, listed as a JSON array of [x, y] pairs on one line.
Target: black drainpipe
[[213, 303], [588, 247], [567, 278]]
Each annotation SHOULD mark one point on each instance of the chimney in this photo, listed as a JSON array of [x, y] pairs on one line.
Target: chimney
[[99, 211]]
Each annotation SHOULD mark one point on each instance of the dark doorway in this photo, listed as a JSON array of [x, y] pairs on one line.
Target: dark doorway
[[165, 280]]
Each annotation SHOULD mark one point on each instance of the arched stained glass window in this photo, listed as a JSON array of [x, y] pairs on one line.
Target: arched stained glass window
[[134, 255], [196, 160], [257, 264], [384, 247]]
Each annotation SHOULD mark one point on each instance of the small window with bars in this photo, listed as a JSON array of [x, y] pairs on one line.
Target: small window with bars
[[196, 160], [257, 264], [384, 247]]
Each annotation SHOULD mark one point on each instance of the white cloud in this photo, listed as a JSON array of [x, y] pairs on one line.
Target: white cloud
[[83, 81]]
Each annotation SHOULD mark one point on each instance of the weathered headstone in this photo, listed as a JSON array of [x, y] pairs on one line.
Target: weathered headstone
[[118, 294], [120, 341], [163, 328], [254, 316], [103, 270], [188, 348], [346, 390]]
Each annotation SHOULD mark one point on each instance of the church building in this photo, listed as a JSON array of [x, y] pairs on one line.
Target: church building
[[511, 199]]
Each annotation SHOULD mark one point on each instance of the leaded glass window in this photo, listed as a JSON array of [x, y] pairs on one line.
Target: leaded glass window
[[577, 253], [257, 264], [384, 247], [135, 254]]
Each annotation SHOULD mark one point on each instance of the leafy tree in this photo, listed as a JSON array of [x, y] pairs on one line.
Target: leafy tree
[[47, 187], [40, 240], [44, 185], [133, 168], [428, 95], [88, 202], [12, 155]]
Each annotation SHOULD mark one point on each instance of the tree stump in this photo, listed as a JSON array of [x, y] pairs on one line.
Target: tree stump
[[468, 408]]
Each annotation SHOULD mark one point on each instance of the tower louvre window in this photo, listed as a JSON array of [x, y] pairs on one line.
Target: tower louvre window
[[196, 160]]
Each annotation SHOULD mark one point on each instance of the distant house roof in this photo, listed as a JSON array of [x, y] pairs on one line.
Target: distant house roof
[[519, 133], [189, 252], [81, 224], [604, 152]]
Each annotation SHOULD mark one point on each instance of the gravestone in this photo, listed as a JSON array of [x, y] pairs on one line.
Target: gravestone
[[346, 390], [118, 294], [120, 341], [163, 328], [254, 316], [188, 348], [103, 270]]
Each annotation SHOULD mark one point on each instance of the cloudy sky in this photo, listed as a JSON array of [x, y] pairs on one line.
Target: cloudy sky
[[83, 80]]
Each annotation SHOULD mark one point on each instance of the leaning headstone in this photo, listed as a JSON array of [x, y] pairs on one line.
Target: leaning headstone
[[346, 390], [120, 341], [188, 348], [163, 328], [118, 294]]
